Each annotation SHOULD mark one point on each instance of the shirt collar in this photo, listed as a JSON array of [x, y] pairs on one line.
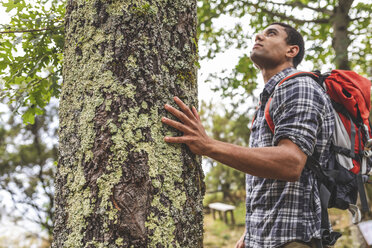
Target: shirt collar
[[274, 80]]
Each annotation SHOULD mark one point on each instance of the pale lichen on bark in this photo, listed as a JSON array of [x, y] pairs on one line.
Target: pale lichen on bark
[[118, 183]]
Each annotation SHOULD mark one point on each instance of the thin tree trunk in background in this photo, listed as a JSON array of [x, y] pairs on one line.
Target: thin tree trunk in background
[[118, 183], [341, 37]]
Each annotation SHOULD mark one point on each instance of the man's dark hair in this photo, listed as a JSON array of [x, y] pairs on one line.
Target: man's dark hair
[[293, 38]]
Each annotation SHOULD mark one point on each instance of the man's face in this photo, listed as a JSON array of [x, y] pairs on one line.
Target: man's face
[[270, 47]]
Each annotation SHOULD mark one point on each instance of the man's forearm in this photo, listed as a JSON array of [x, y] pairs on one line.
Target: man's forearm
[[284, 162], [277, 162]]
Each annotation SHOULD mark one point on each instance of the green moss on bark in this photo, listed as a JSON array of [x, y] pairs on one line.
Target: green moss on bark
[[79, 203], [119, 184]]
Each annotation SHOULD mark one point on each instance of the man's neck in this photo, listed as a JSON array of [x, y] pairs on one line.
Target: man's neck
[[268, 73]]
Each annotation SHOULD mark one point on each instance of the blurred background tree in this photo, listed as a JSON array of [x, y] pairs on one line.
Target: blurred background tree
[[31, 52], [232, 127], [27, 155]]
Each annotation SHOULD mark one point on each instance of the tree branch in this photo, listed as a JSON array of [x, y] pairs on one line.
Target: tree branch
[[26, 31], [301, 5], [358, 18], [291, 18]]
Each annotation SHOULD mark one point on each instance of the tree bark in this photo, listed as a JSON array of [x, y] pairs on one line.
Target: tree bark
[[118, 183], [341, 40]]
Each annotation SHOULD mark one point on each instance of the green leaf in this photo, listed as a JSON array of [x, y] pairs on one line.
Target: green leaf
[[12, 4], [29, 116]]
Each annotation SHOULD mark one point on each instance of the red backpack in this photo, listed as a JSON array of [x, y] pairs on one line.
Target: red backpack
[[349, 165]]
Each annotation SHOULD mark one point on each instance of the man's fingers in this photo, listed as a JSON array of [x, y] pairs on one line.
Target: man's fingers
[[180, 115], [181, 139], [184, 107], [239, 244], [195, 112], [175, 124]]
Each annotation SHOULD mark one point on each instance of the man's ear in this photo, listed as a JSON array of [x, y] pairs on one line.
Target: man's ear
[[292, 51]]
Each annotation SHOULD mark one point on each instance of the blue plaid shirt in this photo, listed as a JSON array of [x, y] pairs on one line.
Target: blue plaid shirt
[[277, 211]]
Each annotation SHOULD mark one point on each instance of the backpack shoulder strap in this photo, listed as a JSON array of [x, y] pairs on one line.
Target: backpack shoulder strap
[[268, 118]]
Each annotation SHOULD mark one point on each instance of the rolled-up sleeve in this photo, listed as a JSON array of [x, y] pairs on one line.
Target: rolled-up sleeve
[[298, 109]]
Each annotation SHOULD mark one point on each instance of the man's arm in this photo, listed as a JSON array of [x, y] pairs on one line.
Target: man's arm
[[284, 161]]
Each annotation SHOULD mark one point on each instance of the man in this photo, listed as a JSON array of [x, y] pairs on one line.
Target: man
[[283, 205]]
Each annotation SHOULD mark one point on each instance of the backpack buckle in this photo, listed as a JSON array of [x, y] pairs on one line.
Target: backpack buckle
[[356, 215], [368, 144], [367, 153], [367, 149]]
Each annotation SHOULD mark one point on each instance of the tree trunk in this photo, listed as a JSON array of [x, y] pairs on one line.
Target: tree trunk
[[341, 40], [118, 183]]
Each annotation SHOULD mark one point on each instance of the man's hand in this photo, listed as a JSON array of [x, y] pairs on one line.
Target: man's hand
[[240, 243], [194, 135]]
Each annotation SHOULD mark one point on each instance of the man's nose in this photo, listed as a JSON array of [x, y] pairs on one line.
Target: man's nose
[[259, 37]]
